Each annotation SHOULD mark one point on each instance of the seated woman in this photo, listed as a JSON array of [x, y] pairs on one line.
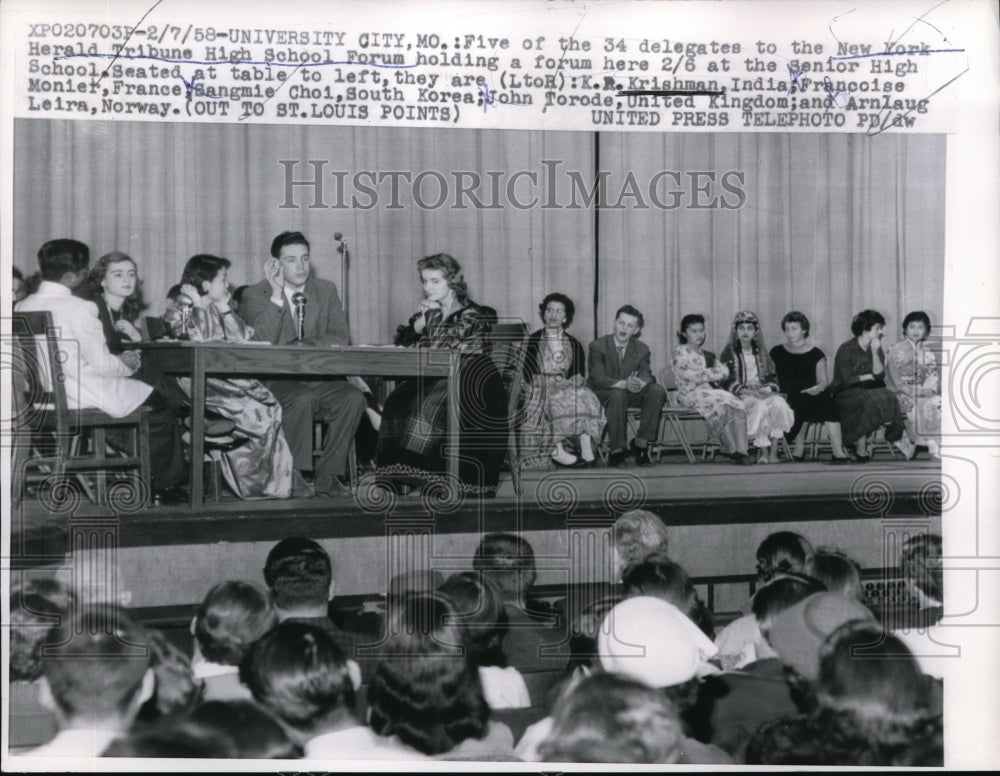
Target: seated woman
[[858, 387], [481, 611], [414, 419], [801, 369], [561, 414], [913, 376], [696, 372], [261, 468], [753, 381]]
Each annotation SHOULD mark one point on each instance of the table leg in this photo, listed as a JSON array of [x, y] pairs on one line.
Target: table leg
[[197, 477], [454, 411]]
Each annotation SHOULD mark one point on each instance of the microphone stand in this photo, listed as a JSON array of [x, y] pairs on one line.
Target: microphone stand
[[345, 271]]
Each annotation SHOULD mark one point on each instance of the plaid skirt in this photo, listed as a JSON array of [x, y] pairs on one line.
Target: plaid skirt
[[863, 410], [414, 425]]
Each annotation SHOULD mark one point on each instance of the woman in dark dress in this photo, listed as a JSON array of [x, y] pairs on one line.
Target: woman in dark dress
[[859, 388], [414, 421], [801, 369]]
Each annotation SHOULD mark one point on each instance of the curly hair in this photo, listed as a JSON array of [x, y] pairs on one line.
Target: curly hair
[[638, 533], [425, 689], [133, 304], [451, 270], [864, 320], [565, 301]]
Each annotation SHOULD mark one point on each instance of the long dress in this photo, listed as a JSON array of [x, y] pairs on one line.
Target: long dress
[[262, 467], [768, 417], [414, 425], [796, 372], [694, 380], [559, 405], [864, 406], [911, 366]]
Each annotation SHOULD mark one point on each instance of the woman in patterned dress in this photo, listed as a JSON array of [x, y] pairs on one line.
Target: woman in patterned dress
[[696, 371], [753, 380], [262, 467], [562, 418], [912, 375]]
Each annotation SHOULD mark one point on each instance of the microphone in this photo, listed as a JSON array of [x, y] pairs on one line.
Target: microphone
[[186, 304], [299, 300]]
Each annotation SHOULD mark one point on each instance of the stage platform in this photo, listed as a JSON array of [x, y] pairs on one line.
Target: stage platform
[[717, 514]]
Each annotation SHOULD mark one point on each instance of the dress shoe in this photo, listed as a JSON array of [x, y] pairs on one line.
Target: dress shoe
[[839, 460], [333, 487], [742, 459], [641, 455], [617, 459], [302, 486], [171, 497]]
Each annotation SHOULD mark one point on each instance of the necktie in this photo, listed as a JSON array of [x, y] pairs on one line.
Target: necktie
[[621, 354]]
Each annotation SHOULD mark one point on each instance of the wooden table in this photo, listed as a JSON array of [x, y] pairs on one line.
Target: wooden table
[[199, 360]]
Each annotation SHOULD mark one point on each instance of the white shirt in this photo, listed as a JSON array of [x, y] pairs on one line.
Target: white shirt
[[95, 378], [77, 743]]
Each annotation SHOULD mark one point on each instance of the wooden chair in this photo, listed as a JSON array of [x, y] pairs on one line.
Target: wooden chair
[[509, 346], [47, 412]]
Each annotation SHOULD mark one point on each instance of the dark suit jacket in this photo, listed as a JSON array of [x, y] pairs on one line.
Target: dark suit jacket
[[325, 321], [605, 369]]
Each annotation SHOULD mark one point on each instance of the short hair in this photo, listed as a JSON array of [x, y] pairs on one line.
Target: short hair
[[87, 688], [920, 563], [838, 572], [57, 257], [480, 610], [231, 618], [659, 576], [451, 270], [132, 305], [425, 689], [864, 320], [287, 238], [796, 317], [638, 533], [918, 315], [782, 551], [565, 301], [298, 673], [782, 592], [177, 689], [509, 561], [613, 719], [36, 607], [203, 268], [630, 310], [231, 729], [689, 320], [298, 571]]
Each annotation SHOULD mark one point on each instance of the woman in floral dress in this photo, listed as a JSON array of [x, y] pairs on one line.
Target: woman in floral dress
[[912, 375], [696, 371]]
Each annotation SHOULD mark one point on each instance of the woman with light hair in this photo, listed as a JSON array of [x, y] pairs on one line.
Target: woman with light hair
[[637, 534]]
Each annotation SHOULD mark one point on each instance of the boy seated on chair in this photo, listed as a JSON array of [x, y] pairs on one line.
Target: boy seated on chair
[[97, 379], [621, 377]]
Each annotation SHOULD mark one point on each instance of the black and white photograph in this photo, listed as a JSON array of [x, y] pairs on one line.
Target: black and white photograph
[[554, 383]]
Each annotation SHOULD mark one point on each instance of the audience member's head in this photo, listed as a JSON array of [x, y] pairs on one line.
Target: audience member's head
[[653, 642], [299, 574], [177, 689], [230, 729], [480, 610], [797, 633], [36, 607], [509, 562], [781, 593], [660, 577], [300, 675], [425, 689], [230, 619], [607, 718], [782, 551], [920, 564], [637, 533], [17, 288], [64, 261], [102, 693], [837, 572]]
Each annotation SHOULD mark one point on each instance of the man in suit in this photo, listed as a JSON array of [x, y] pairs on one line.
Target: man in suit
[[270, 307], [98, 379], [621, 377]]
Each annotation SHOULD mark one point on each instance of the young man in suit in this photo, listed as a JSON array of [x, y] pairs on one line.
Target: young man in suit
[[98, 379], [270, 307], [621, 377]]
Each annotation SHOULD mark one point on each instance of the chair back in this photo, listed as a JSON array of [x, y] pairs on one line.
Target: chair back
[[42, 378], [669, 383]]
